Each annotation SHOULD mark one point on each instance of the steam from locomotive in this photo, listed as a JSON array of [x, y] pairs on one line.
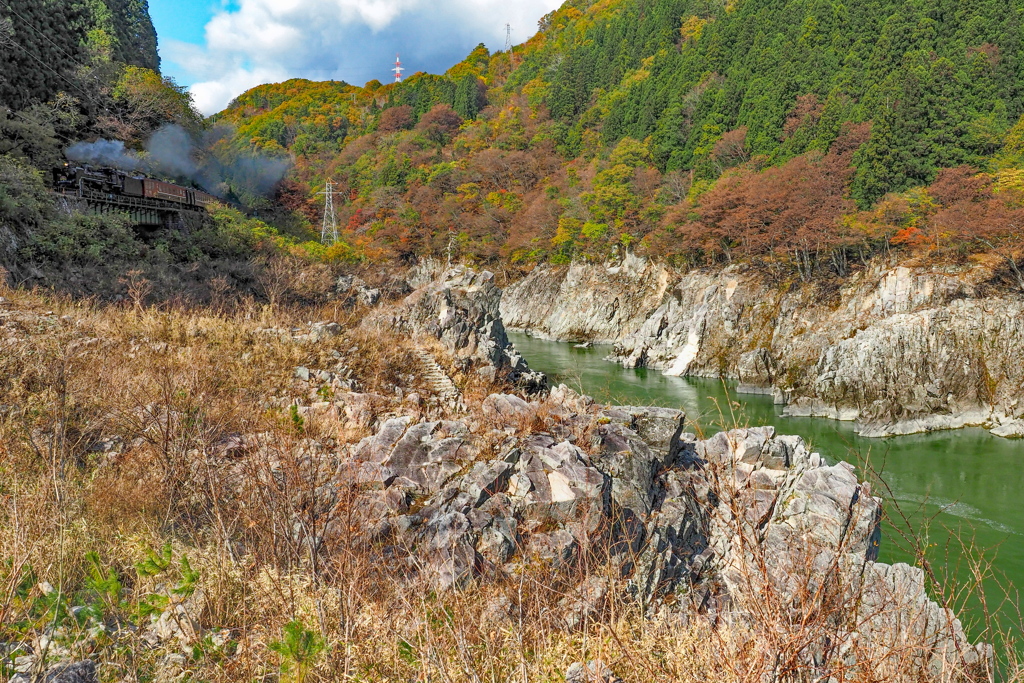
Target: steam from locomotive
[[172, 153]]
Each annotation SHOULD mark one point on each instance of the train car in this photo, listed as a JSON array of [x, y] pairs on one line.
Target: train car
[[157, 189], [84, 180], [201, 199], [132, 186], [111, 185]]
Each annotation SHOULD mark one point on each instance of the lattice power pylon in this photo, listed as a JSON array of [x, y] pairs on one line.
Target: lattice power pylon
[[509, 47], [329, 231], [398, 69]]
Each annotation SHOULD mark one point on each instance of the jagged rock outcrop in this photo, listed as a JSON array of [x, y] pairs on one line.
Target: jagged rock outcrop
[[937, 368], [461, 310], [354, 290], [689, 525], [583, 302], [899, 350]]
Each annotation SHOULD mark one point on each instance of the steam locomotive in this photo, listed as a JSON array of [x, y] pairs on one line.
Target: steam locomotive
[[115, 186]]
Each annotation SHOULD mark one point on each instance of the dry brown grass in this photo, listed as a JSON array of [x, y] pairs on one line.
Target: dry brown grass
[[175, 389]]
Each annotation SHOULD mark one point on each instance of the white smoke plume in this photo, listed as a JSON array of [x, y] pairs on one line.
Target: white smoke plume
[[173, 154], [105, 153]]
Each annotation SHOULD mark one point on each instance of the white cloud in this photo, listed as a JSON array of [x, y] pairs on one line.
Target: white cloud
[[264, 41]]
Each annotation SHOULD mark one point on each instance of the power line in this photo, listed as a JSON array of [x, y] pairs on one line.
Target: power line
[[55, 72], [6, 31], [45, 37], [24, 118]]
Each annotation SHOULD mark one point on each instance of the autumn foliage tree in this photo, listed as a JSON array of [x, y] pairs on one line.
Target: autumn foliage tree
[[395, 119], [789, 215], [439, 124], [975, 211]]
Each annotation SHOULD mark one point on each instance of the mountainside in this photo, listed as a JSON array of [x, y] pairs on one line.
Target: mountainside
[[74, 70], [45, 44], [803, 135], [80, 81], [939, 80]]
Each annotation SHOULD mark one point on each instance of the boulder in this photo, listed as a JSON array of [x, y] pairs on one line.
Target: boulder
[[422, 457], [353, 290], [360, 409], [449, 554], [660, 428], [485, 479], [631, 465], [498, 540], [569, 401], [324, 330], [594, 671], [68, 672], [179, 622], [508, 409], [556, 548], [557, 481]]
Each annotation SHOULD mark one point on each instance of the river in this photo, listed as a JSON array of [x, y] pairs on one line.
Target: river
[[949, 486]]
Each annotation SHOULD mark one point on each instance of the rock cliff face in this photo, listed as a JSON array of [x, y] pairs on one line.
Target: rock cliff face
[[899, 350], [691, 526], [461, 310], [599, 304]]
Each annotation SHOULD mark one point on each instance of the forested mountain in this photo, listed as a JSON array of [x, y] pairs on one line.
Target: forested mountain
[[940, 80], [44, 44], [81, 69], [803, 133]]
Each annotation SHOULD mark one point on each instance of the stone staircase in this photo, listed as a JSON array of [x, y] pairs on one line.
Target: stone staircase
[[439, 383]]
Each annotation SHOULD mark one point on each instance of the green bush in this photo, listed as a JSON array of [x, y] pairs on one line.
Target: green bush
[[84, 240], [23, 198]]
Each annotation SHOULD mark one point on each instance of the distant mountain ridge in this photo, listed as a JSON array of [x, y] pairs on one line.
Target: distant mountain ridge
[[941, 80]]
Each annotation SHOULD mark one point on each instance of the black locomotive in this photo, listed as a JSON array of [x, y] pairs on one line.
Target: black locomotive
[[113, 185]]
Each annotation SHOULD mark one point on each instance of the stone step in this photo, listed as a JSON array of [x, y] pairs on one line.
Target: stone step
[[437, 380]]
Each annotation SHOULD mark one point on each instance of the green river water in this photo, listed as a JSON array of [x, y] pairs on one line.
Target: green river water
[[950, 486]]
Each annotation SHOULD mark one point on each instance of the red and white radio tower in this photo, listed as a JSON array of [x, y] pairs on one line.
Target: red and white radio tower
[[398, 70]]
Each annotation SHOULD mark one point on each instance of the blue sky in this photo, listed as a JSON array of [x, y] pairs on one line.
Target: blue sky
[[183, 20], [220, 48]]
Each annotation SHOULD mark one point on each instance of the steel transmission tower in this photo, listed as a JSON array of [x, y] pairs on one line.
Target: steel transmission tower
[[329, 231], [398, 69], [508, 43]]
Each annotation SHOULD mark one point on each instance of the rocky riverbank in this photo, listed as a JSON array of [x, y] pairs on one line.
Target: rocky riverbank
[[898, 349], [393, 491], [684, 527]]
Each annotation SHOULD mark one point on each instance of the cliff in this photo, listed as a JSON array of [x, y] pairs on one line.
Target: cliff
[[899, 349]]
